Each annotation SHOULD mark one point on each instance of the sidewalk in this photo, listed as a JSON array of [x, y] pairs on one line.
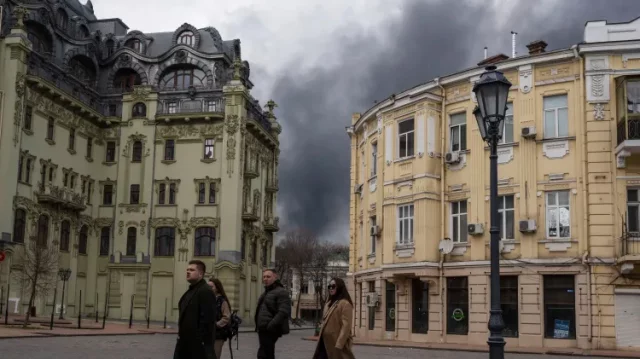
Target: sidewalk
[[485, 349], [39, 328]]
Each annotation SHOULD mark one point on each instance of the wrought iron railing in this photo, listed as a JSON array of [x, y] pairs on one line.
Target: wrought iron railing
[[255, 113], [46, 69], [630, 241], [186, 106], [628, 129]]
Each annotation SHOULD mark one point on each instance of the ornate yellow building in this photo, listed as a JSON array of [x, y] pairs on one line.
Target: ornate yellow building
[[569, 178], [131, 153]]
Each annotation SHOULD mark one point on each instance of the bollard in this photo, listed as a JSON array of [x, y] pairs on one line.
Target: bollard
[[131, 311], [148, 313], [96, 305], [80, 310], [104, 315], [2, 300], [6, 308], [165, 314], [53, 308]]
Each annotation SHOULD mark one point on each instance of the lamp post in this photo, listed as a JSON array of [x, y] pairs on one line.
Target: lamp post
[[64, 275], [318, 287], [491, 92]]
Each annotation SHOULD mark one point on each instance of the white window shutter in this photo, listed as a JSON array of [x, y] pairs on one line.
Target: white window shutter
[[420, 145], [431, 135], [388, 144]]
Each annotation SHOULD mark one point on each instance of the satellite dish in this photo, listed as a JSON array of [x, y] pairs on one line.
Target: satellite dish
[[446, 246], [501, 245]]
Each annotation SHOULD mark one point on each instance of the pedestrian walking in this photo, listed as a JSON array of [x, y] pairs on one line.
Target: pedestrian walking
[[272, 314], [196, 321], [335, 339], [223, 311]]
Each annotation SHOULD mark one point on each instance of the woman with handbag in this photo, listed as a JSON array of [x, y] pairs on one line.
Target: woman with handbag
[[335, 340], [224, 314]]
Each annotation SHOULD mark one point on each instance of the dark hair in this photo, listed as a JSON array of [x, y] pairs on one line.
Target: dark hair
[[219, 287], [200, 264], [270, 270], [341, 292]]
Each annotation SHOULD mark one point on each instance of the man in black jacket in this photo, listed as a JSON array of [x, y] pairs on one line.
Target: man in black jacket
[[272, 314], [196, 323]]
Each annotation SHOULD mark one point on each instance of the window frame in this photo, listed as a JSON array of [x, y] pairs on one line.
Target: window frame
[[207, 234], [89, 147], [508, 114], [502, 210], [83, 240], [462, 129], [374, 159], [167, 249], [107, 194], [557, 206], [134, 194], [132, 239], [456, 216], [372, 222], [405, 227], [409, 135], [65, 235], [43, 228], [72, 139], [170, 150], [51, 129], [105, 236], [28, 118], [506, 294], [462, 292], [419, 315], [555, 110], [162, 191], [564, 307], [19, 225], [209, 144], [136, 151], [110, 152]]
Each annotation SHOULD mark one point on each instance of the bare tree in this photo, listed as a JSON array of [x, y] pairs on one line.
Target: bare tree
[[38, 273]]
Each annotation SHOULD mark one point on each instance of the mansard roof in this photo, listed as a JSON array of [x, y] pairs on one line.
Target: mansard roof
[[85, 10]]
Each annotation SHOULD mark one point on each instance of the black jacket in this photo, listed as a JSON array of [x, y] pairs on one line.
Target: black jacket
[[274, 310], [196, 323]]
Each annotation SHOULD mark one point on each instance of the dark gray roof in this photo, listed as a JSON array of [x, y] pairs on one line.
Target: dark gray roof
[[83, 10], [162, 42]]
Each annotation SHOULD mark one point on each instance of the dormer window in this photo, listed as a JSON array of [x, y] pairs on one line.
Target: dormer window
[[62, 19], [139, 110], [84, 32], [134, 44], [186, 38]]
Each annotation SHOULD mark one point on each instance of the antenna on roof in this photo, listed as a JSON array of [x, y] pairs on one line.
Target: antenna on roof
[[513, 44]]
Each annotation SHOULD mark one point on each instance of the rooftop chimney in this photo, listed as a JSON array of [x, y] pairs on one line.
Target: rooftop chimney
[[513, 44], [537, 47], [485, 52], [493, 59]]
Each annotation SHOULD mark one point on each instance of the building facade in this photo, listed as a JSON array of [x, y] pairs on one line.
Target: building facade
[[132, 153], [569, 171], [308, 298]]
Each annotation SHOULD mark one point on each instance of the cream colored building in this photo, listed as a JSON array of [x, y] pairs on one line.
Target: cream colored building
[[132, 153], [569, 176]]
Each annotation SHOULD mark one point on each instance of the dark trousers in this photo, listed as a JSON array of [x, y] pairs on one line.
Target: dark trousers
[[190, 350], [267, 348]]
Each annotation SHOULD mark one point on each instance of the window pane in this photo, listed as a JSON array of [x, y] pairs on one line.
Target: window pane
[[463, 206], [410, 144], [509, 202], [509, 305], [463, 137], [563, 198], [550, 124], [501, 224], [456, 237], [632, 195], [405, 126], [463, 228], [559, 307], [403, 146], [555, 102], [458, 119], [563, 122], [508, 130], [551, 199], [455, 138], [390, 311], [457, 306], [632, 224], [420, 308], [510, 216]]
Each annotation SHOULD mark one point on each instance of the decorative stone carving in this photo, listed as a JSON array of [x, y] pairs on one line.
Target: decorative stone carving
[[143, 226], [190, 131], [505, 154], [553, 150], [124, 60], [232, 128], [17, 116], [597, 81], [120, 227], [140, 93], [598, 112], [526, 78]]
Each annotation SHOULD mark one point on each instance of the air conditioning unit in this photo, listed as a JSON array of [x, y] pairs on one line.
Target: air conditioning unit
[[529, 132], [375, 231], [527, 226], [475, 228], [372, 299], [452, 157]]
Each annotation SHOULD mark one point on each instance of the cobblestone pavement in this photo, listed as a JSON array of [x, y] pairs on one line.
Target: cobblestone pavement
[[161, 346]]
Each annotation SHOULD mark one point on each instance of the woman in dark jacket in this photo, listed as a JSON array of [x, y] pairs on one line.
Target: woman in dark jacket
[[224, 314], [335, 338]]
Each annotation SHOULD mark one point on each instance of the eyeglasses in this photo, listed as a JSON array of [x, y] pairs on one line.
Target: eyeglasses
[[331, 286]]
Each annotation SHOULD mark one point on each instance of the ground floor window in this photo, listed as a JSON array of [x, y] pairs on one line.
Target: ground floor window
[[559, 307], [420, 306], [458, 305], [509, 305], [360, 306], [390, 303], [372, 310]]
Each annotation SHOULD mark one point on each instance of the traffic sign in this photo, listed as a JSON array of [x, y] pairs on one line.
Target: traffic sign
[[2, 256]]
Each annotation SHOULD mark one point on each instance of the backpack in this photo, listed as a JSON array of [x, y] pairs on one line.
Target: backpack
[[234, 326]]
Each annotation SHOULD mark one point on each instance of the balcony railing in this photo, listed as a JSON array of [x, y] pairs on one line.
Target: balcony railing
[[62, 196], [628, 129], [271, 224], [44, 68], [186, 106], [271, 185], [255, 113]]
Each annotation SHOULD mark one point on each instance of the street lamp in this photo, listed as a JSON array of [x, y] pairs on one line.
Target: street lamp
[[492, 91], [318, 285], [64, 275]]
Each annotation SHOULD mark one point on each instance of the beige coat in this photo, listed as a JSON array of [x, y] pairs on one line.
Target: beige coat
[[336, 330]]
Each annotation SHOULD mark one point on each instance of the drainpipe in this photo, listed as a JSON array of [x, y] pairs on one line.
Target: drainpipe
[[585, 195], [442, 205], [148, 229]]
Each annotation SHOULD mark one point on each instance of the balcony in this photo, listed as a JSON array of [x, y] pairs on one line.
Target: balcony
[[249, 213], [272, 185], [60, 196], [251, 169], [192, 108], [43, 70], [256, 116], [629, 261], [271, 224]]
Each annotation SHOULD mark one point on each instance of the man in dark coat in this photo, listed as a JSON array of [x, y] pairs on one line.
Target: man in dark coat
[[196, 324], [272, 314]]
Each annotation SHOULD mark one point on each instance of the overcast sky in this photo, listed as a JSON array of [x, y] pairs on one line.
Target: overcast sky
[[326, 59]]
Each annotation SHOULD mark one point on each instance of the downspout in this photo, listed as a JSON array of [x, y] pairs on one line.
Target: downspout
[[148, 229], [585, 202], [442, 205]]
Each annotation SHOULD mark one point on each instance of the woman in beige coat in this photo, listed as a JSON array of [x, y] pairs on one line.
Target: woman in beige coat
[[335, 339], [224, 314]]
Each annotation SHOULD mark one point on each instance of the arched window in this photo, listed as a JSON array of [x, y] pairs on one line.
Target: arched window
[[84, 31], [254, 252], [186, 38], [110, 47], [131, 241], [134, 44], [105, 234], [40, 38], [62, 19], [180, 78], [165, 240], [136, 155], [205, 241], [82, 68], [139, 110], [83, 239], [125, 79], [65, 234], [19, 225], [43, 231]]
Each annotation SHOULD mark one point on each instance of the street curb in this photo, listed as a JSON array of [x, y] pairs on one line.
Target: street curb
[[510, 351]]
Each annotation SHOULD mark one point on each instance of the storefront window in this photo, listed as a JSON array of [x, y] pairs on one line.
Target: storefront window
[[559, 307], [509, 300], [390, 311], [420, 309], [458, 306]]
